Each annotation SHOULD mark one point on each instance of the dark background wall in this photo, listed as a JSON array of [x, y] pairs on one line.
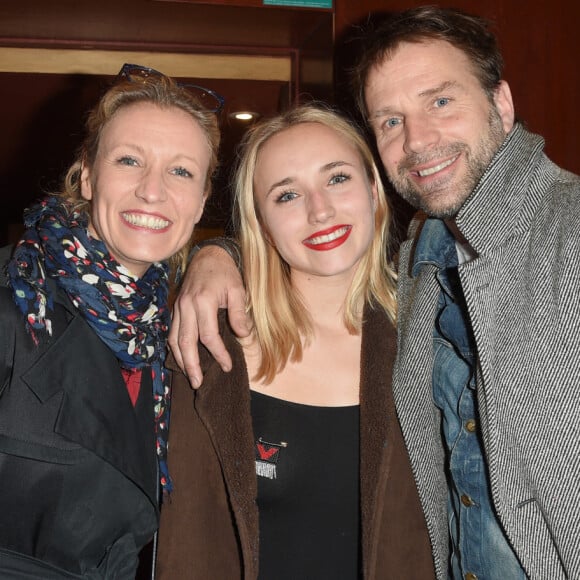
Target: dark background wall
[[537, 38], [42, 115], [540, 46]]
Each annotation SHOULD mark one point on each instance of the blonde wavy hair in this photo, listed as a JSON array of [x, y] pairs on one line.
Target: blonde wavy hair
[[282, 324], [158, 90]]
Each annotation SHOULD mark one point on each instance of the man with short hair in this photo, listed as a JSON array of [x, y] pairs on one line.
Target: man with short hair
[[489, 279], [487, 372]]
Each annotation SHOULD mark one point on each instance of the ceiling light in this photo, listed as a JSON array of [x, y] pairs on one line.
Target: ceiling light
[[244, 115]]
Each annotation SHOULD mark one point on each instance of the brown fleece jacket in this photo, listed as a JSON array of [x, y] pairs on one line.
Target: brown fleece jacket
[[209, 526]]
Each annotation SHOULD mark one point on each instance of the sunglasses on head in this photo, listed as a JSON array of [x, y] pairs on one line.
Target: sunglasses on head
[[209, 99]]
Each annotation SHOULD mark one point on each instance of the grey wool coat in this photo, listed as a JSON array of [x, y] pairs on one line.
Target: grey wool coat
[[523, 298]]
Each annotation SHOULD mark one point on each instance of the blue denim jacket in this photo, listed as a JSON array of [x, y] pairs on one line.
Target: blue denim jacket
[[479, 548]]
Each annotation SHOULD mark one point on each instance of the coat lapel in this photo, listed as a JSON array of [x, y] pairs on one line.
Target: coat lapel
[[224, 408], [376, 415], [96, 411]]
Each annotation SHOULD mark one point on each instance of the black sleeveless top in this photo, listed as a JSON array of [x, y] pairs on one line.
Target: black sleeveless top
[[307, 463]]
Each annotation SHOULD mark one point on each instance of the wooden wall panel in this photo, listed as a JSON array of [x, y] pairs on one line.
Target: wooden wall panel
[[159, 26], [538, 39]]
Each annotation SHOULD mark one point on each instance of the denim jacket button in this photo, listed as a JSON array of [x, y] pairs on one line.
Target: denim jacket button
[[470, 425], [466, 500]]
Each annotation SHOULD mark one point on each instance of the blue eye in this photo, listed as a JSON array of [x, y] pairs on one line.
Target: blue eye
[[442, 101], [181, 172], [127, 160], [338, 178], [286, 196], [392, 122]]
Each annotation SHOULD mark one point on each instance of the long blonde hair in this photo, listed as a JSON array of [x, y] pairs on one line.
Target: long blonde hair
[[282, 324]]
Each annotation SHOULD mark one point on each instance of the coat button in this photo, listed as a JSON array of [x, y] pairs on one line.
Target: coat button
[[466, 500], [470, 425], [470, 576]]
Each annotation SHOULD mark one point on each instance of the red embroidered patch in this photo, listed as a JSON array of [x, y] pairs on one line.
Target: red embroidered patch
[[267, 455]]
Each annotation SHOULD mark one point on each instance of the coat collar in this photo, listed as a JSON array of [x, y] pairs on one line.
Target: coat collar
[[501, 205], [494, 212]]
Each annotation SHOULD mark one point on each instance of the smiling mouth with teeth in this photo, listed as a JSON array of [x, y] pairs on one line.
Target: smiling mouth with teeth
[[324, 239], [436, 168], [146, 221]]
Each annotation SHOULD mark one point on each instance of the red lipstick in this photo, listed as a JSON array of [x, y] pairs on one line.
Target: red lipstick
[[328, 239]]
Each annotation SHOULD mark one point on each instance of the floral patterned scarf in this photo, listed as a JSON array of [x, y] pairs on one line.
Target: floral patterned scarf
[[130, 315]]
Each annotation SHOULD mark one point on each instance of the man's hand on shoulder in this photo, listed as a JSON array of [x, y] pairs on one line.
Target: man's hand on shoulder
[[212, 281]]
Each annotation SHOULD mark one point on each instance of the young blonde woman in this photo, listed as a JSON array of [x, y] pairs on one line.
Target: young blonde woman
[[293, 465]]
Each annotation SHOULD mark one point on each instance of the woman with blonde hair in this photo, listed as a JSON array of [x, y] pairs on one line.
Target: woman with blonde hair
[[84, 392], [293, 465]]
